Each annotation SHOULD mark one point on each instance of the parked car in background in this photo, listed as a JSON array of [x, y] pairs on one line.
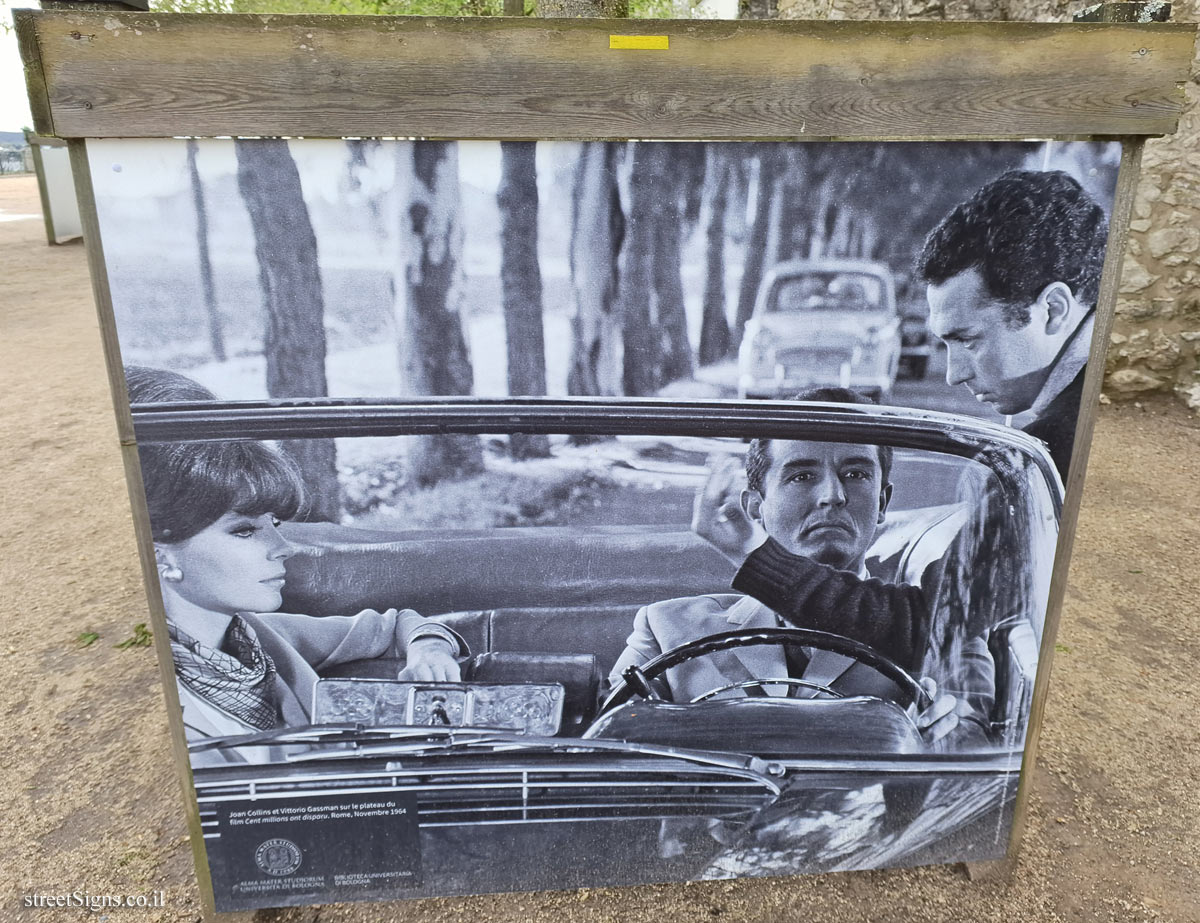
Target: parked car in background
[[822, 323], [915, 345]]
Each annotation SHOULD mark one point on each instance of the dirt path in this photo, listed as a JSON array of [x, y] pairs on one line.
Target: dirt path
[[90, 802]]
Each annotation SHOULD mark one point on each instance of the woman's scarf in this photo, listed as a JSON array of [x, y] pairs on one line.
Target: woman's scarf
[[239, 679]]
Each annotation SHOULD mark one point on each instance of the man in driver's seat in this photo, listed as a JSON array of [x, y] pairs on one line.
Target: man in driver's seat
[[824, 502]]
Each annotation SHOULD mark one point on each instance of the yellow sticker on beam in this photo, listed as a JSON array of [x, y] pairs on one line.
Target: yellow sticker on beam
[[639, 42]]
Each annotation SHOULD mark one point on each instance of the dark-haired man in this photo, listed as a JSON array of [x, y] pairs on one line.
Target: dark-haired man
[[805, 511], [1013, 276]]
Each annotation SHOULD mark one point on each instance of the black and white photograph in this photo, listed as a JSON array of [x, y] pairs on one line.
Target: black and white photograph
[[539, 515]]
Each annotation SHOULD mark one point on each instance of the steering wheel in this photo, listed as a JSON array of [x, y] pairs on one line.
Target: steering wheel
[[637, 679], [795, 685]]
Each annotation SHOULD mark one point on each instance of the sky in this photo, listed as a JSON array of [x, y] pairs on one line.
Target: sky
[[14, 106], [158, 166]]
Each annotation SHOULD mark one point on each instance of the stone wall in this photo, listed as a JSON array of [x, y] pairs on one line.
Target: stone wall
[[1156, 337]]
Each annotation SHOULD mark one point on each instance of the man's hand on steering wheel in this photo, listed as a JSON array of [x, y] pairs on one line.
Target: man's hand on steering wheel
[[637, 679], [940, 718], [717, 514]]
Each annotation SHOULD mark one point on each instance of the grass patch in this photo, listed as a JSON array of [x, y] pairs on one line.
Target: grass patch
[[86, 639], [142, 637]]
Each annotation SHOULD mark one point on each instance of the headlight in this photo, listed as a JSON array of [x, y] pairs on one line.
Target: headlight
[[761, 347], [762, 338]]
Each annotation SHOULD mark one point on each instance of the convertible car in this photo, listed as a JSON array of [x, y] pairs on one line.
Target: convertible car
[[536, 771]]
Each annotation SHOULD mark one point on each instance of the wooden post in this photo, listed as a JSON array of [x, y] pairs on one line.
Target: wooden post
[[36, 143], [98, 269]]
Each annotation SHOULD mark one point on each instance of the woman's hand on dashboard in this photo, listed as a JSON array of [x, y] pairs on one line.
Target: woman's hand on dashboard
[[431, 659]]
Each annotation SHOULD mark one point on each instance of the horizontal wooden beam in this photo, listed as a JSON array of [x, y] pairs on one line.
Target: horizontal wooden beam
[[132, 74]]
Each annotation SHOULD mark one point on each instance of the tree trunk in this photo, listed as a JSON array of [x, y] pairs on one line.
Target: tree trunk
[[839, 235], [756, 246], [714, 327], [290, 277], [640, 374], [597, 231], [215, 334], [675, 350], [776, 238], [521, 284], [655, 330], [800, 173], [737, 224], [689, 164], [433, 347], [597, 228]]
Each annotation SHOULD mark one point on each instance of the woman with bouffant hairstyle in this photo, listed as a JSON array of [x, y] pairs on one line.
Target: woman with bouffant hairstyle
[[241, 666]]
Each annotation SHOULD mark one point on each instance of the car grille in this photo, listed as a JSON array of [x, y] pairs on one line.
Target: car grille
[[574, 790], [813, 364]]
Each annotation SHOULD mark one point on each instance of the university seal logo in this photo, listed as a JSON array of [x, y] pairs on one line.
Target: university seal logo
[[278, 857]]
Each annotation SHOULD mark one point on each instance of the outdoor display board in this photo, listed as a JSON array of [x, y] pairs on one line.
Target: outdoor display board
[[586, 510], [56, 188]]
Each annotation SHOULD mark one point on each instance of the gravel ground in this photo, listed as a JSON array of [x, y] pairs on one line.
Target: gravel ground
[[91, 802]]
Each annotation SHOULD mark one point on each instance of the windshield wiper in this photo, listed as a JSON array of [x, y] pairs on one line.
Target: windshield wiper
[[332, 733], [410, 740]]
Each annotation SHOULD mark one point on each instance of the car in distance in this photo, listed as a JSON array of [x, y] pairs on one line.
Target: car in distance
[[822, 323], [916, 343]]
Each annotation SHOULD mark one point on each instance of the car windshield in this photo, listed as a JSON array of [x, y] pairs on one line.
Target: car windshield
[[844, 291], [598, 482], [543, 560]]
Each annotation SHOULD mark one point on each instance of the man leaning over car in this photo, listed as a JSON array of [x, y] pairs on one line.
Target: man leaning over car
[[1013, 275], [803, 525]]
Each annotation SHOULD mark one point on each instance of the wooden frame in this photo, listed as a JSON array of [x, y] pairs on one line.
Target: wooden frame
[[152, 75], [36, 142], [1110, 283], [115, 75], [54, 235]]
